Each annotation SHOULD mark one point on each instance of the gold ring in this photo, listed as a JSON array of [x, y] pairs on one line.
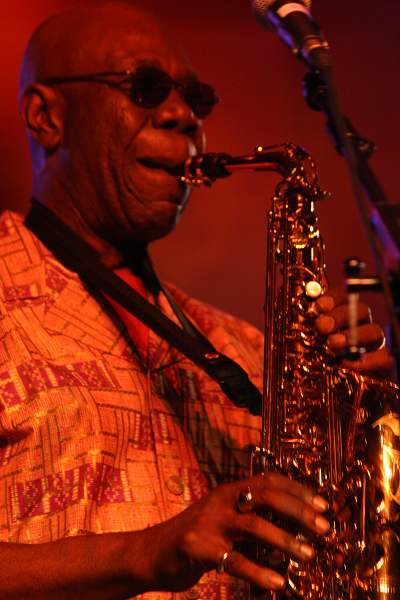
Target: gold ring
[[244, 501], [383, 344], [221, 568]]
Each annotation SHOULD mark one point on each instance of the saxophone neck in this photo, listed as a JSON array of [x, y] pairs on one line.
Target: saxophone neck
[[207, 168]]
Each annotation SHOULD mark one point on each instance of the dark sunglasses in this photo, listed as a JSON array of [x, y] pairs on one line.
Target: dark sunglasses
[[150, 86]]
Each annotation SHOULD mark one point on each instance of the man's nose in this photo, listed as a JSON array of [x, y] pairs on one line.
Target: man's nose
[[175, 114]]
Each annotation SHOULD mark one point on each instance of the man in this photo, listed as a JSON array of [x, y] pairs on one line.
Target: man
[[105, 429]]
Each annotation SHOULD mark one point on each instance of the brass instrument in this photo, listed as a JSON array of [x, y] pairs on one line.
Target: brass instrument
[[329, 427]]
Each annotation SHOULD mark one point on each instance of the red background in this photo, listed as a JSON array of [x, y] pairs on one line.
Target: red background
[[217, 252]]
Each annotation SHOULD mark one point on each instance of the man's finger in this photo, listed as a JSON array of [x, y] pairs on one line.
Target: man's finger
[[265, 495], [273, 480], [379, 361], [238, 565], [332, 298], [254, 528], [338, 318], [369, 336]]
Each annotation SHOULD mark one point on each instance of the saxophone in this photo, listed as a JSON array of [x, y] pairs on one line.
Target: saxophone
[[331, 428]]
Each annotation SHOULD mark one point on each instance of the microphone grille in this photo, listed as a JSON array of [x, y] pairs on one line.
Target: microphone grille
[[260, 7]]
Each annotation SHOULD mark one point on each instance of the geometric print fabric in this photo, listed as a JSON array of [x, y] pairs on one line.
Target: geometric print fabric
[[97, 435]]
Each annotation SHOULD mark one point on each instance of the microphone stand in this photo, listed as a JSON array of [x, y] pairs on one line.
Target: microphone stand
[[383, 223]]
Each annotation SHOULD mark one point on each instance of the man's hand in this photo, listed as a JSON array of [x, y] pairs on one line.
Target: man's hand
[[333, 323], [198, 539], [173, 555]]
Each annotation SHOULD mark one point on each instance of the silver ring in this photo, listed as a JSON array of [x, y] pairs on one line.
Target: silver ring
[[244, 501], [221, 568]]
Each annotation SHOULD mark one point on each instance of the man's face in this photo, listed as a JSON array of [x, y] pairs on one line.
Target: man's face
[[117, 154]]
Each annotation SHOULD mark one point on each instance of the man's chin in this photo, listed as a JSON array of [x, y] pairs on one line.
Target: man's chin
[[160, 223], [164, 226]]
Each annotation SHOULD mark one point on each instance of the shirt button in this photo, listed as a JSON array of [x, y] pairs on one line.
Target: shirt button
[[193, 593], [175, 485]]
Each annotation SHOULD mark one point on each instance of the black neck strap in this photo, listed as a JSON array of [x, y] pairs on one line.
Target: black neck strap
[[78, 256]]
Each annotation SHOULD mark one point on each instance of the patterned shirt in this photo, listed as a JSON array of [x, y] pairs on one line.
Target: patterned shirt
[[98, 435]]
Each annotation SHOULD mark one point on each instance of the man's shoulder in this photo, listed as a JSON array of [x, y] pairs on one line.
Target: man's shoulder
[[16, 238], [24, 261], [18, 246], [10, 222]]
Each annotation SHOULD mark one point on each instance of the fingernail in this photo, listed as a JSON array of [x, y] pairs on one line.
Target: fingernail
[[320, 503], [325, 324], [337, 339], [326, 303], [275, 581], [306, 551], [321, 524]]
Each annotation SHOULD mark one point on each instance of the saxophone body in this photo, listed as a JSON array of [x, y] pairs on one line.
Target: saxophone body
[[331, 428], [328, 427]]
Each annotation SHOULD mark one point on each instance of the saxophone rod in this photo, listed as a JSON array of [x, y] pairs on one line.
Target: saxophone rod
[[250, 162], [212, 166], [246, 162]]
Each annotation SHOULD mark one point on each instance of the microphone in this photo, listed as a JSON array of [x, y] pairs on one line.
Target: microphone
[[296, 28]]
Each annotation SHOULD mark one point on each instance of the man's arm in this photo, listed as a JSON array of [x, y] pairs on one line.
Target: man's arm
[[170, 556], [90, 566]]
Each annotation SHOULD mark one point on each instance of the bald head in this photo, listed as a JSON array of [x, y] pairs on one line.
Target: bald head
[[101, 157], [84, 39]]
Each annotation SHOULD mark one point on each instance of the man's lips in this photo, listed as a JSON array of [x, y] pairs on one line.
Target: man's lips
[[170, 166]]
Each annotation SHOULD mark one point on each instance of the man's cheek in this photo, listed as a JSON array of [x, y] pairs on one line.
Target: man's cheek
[[128, 121]]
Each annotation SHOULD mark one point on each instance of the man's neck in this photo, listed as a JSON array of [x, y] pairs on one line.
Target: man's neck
[[65, 210]]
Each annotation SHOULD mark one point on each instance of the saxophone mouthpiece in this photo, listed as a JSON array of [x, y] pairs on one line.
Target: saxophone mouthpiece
[[205, 169]]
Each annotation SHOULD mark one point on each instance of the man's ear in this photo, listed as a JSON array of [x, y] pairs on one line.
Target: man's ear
[[42, 110]]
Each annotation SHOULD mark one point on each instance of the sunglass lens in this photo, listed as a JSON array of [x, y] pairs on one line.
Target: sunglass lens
[[150, 87], [200, 97]]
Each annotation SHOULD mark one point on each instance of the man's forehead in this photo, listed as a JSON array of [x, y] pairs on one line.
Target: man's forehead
[[111, 37], [139, 47]]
